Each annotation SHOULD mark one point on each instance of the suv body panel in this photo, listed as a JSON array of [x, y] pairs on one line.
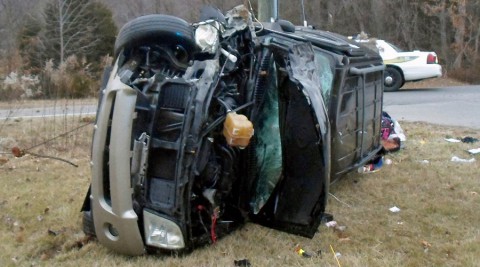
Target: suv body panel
[[153, 146]]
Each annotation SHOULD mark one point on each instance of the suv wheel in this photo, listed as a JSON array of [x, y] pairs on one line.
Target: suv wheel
[[155, 28]]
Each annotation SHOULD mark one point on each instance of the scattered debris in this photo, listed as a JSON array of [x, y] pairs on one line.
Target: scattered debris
[[426, 245], [302, 252], [326, 217], [242, 263], [344, 239], [367, 169], [388, 161], [469, 139], [424, 161], [17, 152], [53, 233], [452, 140], [457, 159], [338, 229], [373, 165], [474, 151], [331, 224], [336, 255], [394, 209]]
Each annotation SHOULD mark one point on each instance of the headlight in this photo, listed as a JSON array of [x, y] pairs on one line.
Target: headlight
[[161, 232], [206, 36]]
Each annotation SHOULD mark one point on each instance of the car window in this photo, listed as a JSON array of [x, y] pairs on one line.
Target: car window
[[325, 73], [395, 47]]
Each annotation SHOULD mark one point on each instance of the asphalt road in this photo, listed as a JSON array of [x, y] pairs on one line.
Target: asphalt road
[[453, 106], [45, 112]]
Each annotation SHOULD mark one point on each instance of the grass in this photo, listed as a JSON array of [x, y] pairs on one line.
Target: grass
[[438, 225]]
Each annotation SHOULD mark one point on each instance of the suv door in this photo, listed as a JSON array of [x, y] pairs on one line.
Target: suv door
[[300, 169]]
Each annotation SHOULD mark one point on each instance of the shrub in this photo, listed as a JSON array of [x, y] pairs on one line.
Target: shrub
[[467, 74], [71, 79], [15, 87]]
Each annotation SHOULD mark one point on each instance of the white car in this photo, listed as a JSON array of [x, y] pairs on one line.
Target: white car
[[403, 66]]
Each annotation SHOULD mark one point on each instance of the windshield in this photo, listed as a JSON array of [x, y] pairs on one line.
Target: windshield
[[395, 47]]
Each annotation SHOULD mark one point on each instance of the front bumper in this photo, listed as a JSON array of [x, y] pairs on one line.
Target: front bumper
[[116, 223]]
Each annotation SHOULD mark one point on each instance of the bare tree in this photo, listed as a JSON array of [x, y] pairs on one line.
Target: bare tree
[[439, 9], [69, 28], [459, 19]]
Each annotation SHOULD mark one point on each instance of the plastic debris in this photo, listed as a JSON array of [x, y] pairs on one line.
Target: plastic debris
[[242, 263], [457, 159], [394, 209], [452, 140], [424, 161], [326, 217], [302, 252], [469, 139], [474, 151], [331, 224], [367, 169], [388, 161], [373, 165]]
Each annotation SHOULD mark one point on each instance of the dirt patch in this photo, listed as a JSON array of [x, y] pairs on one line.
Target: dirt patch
[[434, 83]]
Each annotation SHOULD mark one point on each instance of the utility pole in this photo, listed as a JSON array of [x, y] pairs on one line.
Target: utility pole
[[267, 10]]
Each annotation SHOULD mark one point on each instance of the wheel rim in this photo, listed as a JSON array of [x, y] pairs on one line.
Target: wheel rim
[[388, 80]]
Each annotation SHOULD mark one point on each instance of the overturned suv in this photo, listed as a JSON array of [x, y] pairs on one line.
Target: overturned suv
[[203, 126]]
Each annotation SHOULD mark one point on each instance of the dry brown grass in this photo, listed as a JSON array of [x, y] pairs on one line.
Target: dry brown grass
[[438, 225], [434, 83]]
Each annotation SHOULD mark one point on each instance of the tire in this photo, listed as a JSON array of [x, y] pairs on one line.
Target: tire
[[161, 29], [396, 79], [87, 223]]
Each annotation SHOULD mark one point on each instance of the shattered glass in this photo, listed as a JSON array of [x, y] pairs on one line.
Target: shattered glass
[[269, 146], [325, 75]]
